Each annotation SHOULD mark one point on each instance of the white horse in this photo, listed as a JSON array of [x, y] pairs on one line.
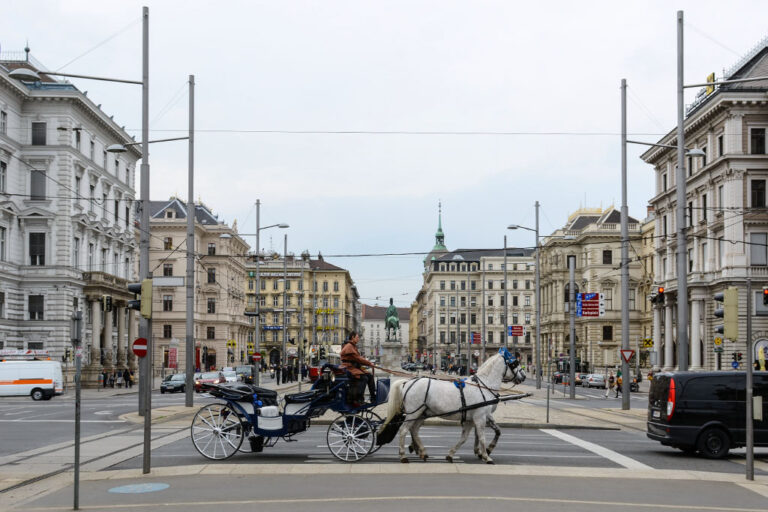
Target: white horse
[[412, 401]]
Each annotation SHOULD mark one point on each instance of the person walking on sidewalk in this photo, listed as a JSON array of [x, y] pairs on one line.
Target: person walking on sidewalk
[[611, 384], [278, 371], [618, 383]]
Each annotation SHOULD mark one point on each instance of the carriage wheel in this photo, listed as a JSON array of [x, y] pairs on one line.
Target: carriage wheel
[[217, 431], [350, 438], [375, 420]]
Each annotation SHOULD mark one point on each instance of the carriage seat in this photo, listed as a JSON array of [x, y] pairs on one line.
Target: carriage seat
[[337, 369], [300, 398]]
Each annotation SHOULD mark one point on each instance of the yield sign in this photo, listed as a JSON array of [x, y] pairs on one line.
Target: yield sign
[[626, 355]]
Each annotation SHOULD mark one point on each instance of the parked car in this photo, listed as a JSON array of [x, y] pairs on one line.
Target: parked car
[[209, 378], [230, 375], [594, 380], [704, 411], [246, 373], [557, 377], [173, 383]]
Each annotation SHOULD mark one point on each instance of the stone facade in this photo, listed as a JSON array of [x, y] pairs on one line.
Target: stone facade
[[67, 239], [726, 221]]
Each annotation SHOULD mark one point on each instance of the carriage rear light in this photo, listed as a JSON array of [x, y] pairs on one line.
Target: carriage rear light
[[671, 399]]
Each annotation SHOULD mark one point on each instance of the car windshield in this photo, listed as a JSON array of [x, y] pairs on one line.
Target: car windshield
[[178, 377], [210, 375], [230, 374]]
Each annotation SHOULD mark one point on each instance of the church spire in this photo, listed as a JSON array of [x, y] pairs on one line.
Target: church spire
[[439, 236]]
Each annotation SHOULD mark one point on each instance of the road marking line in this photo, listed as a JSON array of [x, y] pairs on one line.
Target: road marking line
[[60, 421], [611, 455]]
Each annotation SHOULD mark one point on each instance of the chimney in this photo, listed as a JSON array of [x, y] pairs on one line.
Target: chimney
[[649, 211]]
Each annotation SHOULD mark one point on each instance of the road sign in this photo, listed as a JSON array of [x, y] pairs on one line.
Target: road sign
[[718, 341], [626, 355], [257, 356], [647, 342], [139, 347], [173, 357], [590, 304], [735, 365], [516, 330], [719, 349]]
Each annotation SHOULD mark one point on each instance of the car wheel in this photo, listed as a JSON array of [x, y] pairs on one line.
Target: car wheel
[[181, 389], [714, 443], [37, 394], [162, 391]]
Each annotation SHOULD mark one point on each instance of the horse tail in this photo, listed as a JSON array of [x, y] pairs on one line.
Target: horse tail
[[395, 415]]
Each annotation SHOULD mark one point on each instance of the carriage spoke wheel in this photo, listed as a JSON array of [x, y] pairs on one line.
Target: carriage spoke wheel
[[375, 420], [350, 438], [217, 431]]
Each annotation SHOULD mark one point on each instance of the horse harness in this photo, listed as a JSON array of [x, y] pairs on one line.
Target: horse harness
[[460, 384]]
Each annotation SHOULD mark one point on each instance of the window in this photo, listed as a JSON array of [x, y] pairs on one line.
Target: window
[[442, 337], [720, 149], [442, 301], [690, 260], [490, 337], [490, 285], [36, 307], [3, 122], [463, 301], [527, 300], [690, 213], [325, 286], [335, 302], [490, 266], [608, 298], [664, 182], [632, 299], [167, 269], [275, 301], [211, 249], [490, 320], [704, 207], [37, 249], [442, 319], [167, 243], [90, 256], [453, 285], [527, 284], [721, 252], [116, 214], [274, 284], [3, 176], [2, 244], [607, 257], [758, 193], [463, 285], [757, 248], [442, 285], [664, 225], [704, 259], [167, 331], [704, 158], [211, 275], [720, 197], [91, 197], [167, 302], [211, 333], [607, 333], [250, 284], [473, 285], [490, 301], [756, 141], [514, 284], [527, 319], [92, 150], [336, 286], [263, 285], [211, 306], [473, 318], [38, 134], [453, 301], [515, 318], [78, 140], [37, 185], [514, 300], [502, 300]]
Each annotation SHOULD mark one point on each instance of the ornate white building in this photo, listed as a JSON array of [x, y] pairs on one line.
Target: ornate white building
[[66, 223]]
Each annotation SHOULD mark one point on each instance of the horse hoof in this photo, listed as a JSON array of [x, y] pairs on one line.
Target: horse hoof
[[424, 457], [404, 460], [489, 461], [410, 448], [449, 458]]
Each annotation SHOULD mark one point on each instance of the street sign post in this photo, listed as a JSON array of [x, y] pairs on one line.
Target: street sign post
[[516, 330], [139, 347], [626, 355], [590, 304]]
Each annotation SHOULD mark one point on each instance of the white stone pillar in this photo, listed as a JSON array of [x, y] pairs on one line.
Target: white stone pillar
[[108, 361], [95, 332], [669, 329], [657, 337], [121, 337], [695, 335]]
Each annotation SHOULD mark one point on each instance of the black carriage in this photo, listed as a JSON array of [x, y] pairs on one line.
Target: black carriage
[[251, 418]]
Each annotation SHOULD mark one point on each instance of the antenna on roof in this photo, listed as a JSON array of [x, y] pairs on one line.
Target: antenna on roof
[[26, 50]]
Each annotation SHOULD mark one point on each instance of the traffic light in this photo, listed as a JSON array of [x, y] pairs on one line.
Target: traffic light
[[735, 356], [729, 312], [765, 295], [738, 356], [144, 291], [658, 296], [106, 303], [322, 352]]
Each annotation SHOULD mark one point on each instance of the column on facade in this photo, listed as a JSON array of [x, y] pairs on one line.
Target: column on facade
[[121, 342], [695, 338], [96, 348], [107, 343], [669, 329], [657, 337], [131, 320]]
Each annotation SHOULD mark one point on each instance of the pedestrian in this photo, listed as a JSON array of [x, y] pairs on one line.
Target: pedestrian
[[278, 371], [119, 379], [131, 379], [104, 378], [611, 384], [127, 378], [618, 383], [112, 380]]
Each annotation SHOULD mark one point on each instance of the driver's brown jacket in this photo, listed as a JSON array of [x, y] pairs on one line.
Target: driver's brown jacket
[[352, 360]]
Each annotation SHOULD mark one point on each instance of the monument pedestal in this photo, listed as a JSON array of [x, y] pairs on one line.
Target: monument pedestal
[[390, 354]]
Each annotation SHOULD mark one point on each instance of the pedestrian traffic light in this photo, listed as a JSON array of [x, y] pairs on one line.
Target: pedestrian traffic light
[[729, 312], [106, 303], [765, 295], [322, 352], [735, 356], [144, 291], [738, 356]]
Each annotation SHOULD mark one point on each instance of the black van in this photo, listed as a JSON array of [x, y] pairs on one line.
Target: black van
[[704, 411]]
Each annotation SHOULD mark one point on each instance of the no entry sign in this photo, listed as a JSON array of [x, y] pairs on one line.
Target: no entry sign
[[257, 356], [139, 347]]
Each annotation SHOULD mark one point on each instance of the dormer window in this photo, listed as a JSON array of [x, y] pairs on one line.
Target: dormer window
[[170, 214]]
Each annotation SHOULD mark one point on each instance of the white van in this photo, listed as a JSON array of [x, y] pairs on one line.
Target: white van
[[38, 379]]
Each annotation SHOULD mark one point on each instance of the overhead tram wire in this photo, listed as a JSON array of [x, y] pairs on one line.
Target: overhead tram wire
[[102, 43], [404, 132]]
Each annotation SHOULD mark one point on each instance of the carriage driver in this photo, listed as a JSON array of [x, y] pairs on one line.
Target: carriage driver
[[353, 362]]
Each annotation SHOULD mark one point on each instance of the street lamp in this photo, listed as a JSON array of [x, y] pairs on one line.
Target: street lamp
[[257, 341], [145, 325], [538, 294]]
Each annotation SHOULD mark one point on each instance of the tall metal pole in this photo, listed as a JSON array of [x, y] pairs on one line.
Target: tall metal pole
[[435, 361], [257, 318], [469, 329], [750, 434], [624, 252], [506, 296], [301, 340], [483, 334], [285, 303], [682, 251], [189, 385], [458, 324], [78, 348], [572, 311], [145, 324], [538, 302]]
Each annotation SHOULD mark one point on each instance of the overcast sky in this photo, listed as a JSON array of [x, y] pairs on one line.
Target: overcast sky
[[548, 73]]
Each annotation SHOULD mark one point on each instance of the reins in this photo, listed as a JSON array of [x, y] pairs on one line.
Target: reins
[[477, 384]]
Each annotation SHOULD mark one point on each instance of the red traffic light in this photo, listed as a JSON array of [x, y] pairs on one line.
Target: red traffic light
[[661, 289], [765, 296]]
